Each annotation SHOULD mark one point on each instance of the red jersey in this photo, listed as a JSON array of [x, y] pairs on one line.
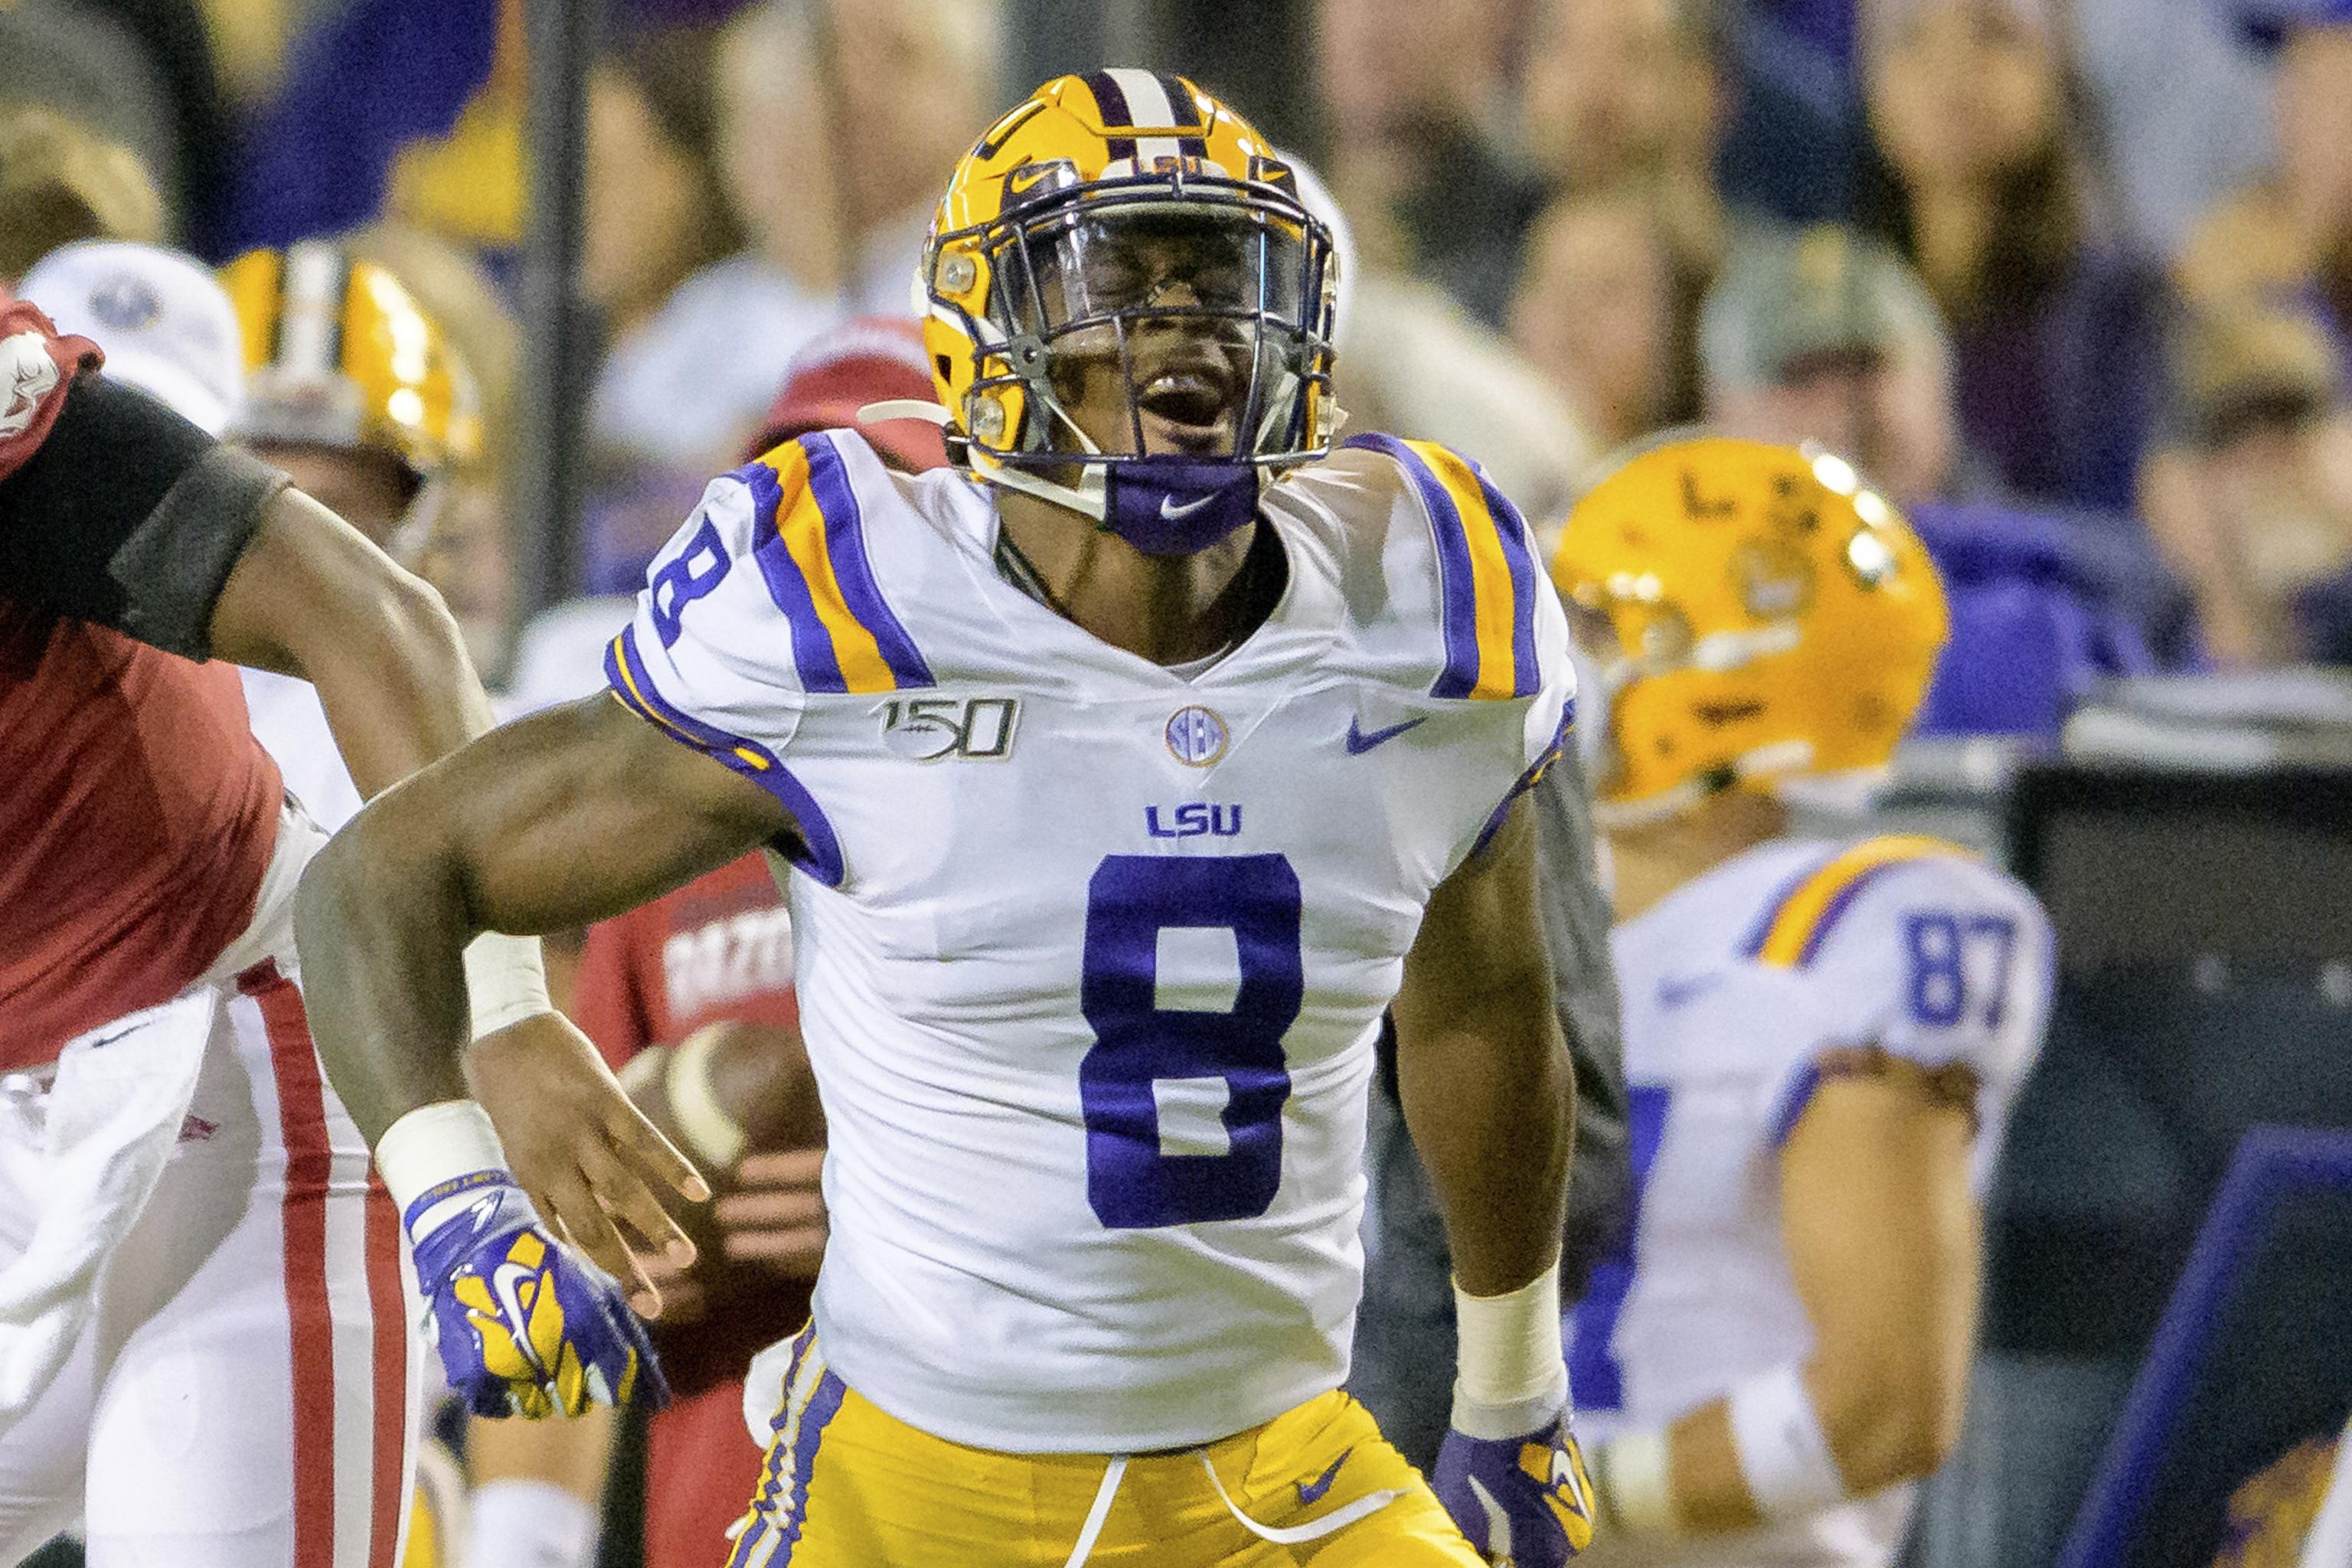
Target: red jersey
[[139, 813], [138, 817], [720, 947]]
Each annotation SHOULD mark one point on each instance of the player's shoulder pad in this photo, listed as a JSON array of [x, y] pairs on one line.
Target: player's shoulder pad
[[1837, 902], [1460, 558], [785, 536]]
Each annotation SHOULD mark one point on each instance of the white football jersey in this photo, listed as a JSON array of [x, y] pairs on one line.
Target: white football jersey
[[1092, 955], [1734, 987]]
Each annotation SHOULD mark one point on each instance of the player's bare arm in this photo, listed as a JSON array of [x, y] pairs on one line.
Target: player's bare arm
[[1488, 1093], [1482, 1070], [493, 839], [1881, 1237], [309, 597]]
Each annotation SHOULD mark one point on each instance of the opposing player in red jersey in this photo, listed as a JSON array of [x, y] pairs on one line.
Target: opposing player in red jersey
[[202, 1351]]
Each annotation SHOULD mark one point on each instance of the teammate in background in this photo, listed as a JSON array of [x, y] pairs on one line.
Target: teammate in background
[[355, 391], [186, 1222], [1821, 1039], [1126, 789]]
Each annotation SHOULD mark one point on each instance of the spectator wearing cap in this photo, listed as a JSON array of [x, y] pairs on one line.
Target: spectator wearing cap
[[2290, 234], [163, 319], [1828, 338], [1979, 176], [2249, 492]]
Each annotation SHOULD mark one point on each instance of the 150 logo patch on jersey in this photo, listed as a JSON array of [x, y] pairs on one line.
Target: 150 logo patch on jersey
[[930, 729]]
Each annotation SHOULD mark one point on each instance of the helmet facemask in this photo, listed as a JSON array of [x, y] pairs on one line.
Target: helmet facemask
[[1151, 346]]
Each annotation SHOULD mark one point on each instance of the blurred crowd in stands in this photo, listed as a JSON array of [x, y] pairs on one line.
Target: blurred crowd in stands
[[2071, 279]]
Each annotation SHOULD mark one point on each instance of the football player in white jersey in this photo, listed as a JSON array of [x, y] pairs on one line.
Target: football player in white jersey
[[1822, 1038], [1128, 769]]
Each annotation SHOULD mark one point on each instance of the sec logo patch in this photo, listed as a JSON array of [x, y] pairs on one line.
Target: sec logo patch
[[1197, 736]]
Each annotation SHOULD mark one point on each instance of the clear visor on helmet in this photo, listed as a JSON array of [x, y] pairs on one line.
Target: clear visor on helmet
[[1206, 317]]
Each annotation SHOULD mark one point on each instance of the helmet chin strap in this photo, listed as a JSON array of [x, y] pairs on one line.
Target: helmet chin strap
[[1165, 504]]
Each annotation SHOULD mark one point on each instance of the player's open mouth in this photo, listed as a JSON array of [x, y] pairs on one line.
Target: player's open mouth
[[1188, 407]]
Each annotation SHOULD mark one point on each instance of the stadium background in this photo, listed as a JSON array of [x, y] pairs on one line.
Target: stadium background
[[2147, 513]]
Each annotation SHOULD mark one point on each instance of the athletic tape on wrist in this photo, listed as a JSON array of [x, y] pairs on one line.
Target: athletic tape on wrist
[[712, 1135], [1509, 1377], [1634, 1476], [506, 980], [1783, 1452], [435, 1146]]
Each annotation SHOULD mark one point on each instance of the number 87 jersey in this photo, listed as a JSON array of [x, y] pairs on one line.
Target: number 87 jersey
[[1092, 953]]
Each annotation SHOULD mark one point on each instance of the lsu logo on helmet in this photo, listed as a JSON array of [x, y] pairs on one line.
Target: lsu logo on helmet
[[1755, 611]]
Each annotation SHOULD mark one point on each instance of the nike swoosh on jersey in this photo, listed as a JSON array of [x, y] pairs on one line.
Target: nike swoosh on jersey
[[1174, 513], [1359, 742], [1312, 1493]]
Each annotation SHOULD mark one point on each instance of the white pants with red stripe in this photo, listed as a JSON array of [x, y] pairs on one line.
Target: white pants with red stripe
[[244, 1396]]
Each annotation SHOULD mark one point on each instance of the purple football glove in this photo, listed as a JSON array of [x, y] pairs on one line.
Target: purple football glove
[[525, 1326], [1523, 1501]]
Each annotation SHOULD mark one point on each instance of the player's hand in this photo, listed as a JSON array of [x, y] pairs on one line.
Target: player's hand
[[1523, 1501], [525, 1327], [775, 1215], [582, 1152]]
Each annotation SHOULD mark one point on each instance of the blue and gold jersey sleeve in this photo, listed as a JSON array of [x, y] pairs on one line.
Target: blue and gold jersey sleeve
[[764, 601], [1490, 595], [1912, 947]]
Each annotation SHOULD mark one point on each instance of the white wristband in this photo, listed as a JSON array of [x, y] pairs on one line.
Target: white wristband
[[506, 980], [1510, 1374], [1634, 1476], [1783, 1453], [433, 1146], [712, 1135]]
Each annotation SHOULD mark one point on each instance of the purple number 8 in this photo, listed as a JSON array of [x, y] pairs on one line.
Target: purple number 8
[[1130, 1183], [680, 583]]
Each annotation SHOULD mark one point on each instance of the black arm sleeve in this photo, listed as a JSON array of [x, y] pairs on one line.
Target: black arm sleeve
[[130, 517]]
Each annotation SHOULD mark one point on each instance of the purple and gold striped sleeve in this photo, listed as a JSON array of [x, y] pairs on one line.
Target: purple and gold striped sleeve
[[1489, 592], [765, 600]]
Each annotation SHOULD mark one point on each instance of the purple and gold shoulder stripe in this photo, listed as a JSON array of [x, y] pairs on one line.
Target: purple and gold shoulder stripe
[[810, 545], [1801, 915], [1486, 568], [632, 683]]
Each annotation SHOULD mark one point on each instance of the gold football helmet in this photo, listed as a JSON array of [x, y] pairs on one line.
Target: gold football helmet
[[339, 353], [1105, 203], [1754, 611]]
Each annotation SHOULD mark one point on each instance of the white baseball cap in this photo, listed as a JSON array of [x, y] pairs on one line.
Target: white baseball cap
[[163, 321]]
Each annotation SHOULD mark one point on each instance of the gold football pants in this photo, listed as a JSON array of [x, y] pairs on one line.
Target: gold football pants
[[846, 1486]]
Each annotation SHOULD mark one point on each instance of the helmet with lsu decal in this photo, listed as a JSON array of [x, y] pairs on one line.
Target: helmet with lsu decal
[[1753, 612], [1128, 308]]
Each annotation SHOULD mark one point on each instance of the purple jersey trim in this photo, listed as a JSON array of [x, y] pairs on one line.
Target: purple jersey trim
[[1458, 590], [1795, 1100], [822, 1406], [625, 673], [812, 653], [1511, 529], [845, 538]]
